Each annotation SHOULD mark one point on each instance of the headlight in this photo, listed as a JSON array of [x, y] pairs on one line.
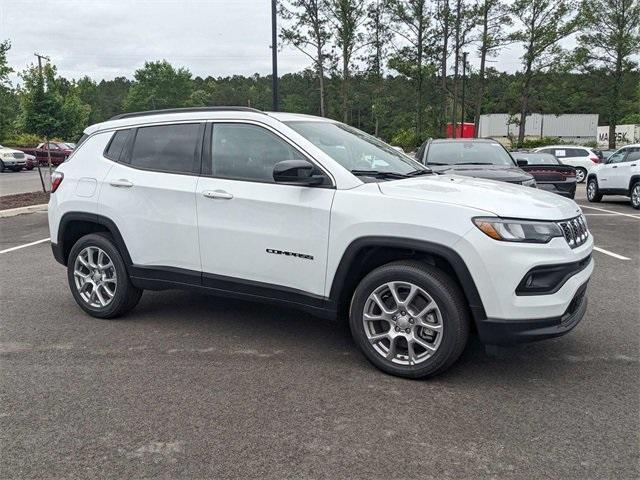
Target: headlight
[[518, 230], [529, 183]]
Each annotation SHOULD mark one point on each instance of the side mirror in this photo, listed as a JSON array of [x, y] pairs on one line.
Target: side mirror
[[297, 172], [522, 162]]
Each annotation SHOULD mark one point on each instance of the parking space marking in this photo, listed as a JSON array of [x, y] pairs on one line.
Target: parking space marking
[[24, 246], [637, 217], [611, 254]]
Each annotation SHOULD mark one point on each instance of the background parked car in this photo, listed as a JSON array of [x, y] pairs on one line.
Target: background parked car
[[582, 158], [473, 157], [11, 159], [549, 172], [59, 152], [620, 175]]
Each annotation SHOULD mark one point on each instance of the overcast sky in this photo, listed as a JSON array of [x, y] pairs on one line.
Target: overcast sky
[[110, 38]]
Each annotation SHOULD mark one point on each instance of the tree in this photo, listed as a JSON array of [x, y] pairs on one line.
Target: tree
[[443, 31], [8, 103], [159, 85], [347, 16], [411, 21], [494, 21], [308, 32], [543, 24], [610, 38]]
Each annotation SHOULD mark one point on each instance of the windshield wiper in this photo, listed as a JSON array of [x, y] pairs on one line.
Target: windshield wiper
[[377, 174], [415, 173], [474, 163]]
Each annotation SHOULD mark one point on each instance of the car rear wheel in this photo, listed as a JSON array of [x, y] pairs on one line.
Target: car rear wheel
[[409, 319], [581, 174], [98, 277], [635, 196], [593, 193]]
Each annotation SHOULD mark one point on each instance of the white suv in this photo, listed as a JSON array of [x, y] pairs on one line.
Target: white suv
[[620, 175], [314, 214], [583, 159]]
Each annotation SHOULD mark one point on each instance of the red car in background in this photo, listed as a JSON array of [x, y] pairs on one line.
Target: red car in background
[[59, 152]]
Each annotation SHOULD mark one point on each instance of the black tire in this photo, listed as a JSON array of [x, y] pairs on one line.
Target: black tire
[[593, 192], [581, 172], [1, 166], [635, 195], [443, 290], [126, 295]]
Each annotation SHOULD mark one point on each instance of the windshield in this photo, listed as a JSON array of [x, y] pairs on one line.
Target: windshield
[[70, 146], [354, 149], [538, 158], [468, 153]]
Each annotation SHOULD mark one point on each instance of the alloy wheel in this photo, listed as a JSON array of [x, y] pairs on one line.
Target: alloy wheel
[[580, 174], [95, 277], [402, 323], [591, 190], [635, 195]]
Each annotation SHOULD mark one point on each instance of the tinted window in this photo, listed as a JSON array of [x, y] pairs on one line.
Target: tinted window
[[168, 148], [118, 141], [577, 152], [633, 156], [467, 153], [247, 152], [538, 158], [617, 157]]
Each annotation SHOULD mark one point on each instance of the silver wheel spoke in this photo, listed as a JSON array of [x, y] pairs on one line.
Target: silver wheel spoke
[[395, 295], [381, 304], [424, 344], [392, 348], [378, 337]]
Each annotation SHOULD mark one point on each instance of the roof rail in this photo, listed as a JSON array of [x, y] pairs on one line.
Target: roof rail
[[185, 110]]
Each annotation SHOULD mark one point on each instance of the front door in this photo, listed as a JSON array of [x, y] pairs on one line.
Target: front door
[[622, 174], [252, 230]]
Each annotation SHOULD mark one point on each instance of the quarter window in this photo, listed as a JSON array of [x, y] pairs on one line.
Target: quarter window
[[118, 141], [247, 152], [167, 148]]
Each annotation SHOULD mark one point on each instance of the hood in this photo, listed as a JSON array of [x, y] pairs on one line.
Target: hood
[[9, 150], [498, 198], [502, 173]]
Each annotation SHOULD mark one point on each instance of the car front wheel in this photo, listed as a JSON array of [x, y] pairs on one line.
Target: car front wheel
[[98, 277], [635, 196], [409, 319], [593, 193]]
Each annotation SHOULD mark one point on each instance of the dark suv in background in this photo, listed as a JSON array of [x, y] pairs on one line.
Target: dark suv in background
[[473, 157]]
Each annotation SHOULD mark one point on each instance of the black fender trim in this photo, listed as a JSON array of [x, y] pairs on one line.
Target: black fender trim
[[422, 246], [632, 181], [106, 222]]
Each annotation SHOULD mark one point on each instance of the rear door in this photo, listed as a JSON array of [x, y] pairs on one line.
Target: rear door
[[253, 231], [150, 194]]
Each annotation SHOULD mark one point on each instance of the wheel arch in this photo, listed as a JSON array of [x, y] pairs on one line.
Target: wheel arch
[[367, 253], [74, 225], [633, 180]]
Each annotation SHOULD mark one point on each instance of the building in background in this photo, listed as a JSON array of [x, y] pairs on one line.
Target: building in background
[[570, 128], [625, 134]]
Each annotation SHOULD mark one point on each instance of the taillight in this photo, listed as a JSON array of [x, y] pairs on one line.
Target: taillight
[[56, 180], [594, 158]]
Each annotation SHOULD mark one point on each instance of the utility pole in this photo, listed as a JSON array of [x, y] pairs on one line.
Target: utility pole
[[274, 54], [40, 57], [464, 87]]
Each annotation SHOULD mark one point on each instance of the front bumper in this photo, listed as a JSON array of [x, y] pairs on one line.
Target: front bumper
[[505, 332]]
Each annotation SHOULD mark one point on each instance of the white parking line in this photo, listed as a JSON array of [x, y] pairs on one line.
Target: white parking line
[[611, 254], [24, 246], [637, 217]]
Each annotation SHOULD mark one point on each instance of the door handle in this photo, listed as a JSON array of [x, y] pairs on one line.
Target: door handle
[[121, 183], [632, 165], [221, 194], [615, 166]]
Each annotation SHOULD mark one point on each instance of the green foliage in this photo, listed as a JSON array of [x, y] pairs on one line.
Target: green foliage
[[41, 103], [631, 119], [21, 140], [8, 99], [405, 138], [541, 142], [158, 85]]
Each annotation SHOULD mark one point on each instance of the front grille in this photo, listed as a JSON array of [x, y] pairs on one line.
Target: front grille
[[18, 155], [575, 231]]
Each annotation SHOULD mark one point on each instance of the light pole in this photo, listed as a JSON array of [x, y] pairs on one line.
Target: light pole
[[274, 55]]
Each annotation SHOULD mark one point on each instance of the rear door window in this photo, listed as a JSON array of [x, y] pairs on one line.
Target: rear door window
[[168, 148], [577, 152]]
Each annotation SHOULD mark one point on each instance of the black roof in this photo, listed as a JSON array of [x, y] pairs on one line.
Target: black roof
[[185, 110]]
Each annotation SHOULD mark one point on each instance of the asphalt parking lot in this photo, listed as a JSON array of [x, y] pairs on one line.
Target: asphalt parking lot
[[191, 386], [23, 182]]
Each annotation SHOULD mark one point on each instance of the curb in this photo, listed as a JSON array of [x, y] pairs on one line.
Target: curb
[[12, 212]]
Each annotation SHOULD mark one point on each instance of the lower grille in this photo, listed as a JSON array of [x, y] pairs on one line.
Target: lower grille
[[18, 155]]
